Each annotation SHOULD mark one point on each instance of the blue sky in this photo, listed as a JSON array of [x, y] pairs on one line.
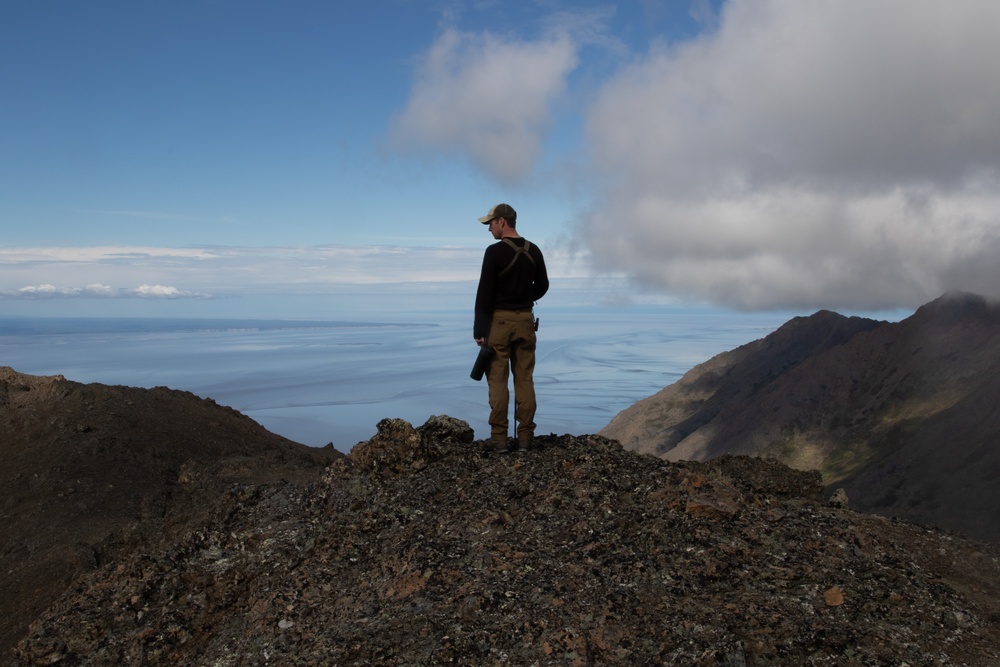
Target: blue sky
[[205, 157]]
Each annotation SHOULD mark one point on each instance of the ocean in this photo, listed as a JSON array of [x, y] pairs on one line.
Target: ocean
[[319, 382]]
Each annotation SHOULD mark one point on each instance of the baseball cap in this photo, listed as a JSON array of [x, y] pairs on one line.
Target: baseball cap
[[505, 211]]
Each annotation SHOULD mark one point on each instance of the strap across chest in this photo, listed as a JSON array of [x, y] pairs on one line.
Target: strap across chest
[[518, 251]]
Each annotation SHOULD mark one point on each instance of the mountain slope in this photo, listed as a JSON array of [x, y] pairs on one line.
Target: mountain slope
[[421, 549], [90, 471], [902, 415]]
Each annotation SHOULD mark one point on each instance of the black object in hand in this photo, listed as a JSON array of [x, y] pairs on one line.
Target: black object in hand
[[486, 354]]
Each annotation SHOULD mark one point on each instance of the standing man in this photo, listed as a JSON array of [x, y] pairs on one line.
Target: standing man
[[512, 279]]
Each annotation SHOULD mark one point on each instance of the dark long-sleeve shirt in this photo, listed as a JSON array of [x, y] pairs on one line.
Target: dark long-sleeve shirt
[[518, 289]]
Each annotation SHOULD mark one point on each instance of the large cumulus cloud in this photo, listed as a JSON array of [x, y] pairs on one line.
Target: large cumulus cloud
[[807, 153]]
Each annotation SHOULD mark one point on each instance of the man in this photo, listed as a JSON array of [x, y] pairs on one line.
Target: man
[[512, 279]]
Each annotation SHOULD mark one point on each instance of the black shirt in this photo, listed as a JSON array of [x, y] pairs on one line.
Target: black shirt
[[518, 289]]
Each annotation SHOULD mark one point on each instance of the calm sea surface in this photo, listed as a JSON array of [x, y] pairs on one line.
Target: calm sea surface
[[320, 382]]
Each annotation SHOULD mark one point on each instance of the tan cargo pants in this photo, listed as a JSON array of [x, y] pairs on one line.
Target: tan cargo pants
[[512, 335]]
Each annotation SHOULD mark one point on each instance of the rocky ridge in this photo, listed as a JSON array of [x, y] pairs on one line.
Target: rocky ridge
[[902, 415], [419, 548], [91, 472]]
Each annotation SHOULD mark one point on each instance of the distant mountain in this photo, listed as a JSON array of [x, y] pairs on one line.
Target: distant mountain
[[904, 416]]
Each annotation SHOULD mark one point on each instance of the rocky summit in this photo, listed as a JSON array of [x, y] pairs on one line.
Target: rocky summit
[[422, 549]]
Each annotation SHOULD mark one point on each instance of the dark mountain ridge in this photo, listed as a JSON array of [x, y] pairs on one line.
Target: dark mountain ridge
[[91, 471], [901, 415]]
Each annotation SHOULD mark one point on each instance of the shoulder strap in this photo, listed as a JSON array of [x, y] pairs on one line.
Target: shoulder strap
[[518, 251]]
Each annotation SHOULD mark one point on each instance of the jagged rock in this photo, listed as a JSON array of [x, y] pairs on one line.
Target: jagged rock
[[398, 446], [839, 498], [395, 443], [442, 428]]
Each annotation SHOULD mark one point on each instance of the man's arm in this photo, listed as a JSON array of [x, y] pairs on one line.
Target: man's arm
[[485, 298]]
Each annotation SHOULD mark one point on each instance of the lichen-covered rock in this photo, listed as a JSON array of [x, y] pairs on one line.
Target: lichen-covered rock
[[839, 498], [398, 446], [442, 428], [394, 448]]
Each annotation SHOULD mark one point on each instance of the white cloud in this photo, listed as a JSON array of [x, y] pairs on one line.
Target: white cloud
[[31, 290], [222, 271], [97, 290], [157, 291], [174, 273], [486, 98], [838, 154]]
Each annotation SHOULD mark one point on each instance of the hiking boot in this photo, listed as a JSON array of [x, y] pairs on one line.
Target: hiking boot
[[524, 443], [499, 446]]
